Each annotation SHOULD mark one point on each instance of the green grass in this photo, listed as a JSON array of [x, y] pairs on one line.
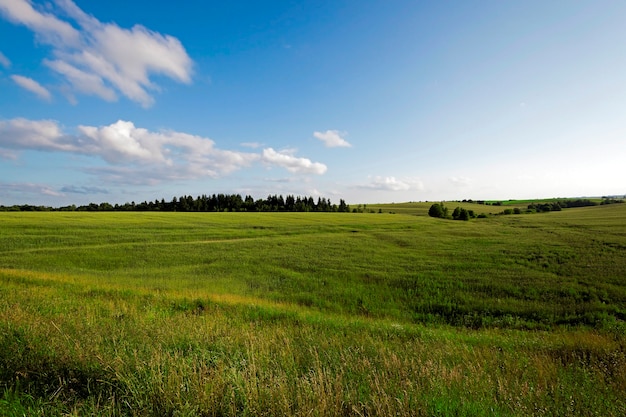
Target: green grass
[[145, 314]]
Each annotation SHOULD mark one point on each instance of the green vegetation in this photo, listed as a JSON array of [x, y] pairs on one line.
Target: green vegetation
[[163, 314], [439, 210], [204, 203]]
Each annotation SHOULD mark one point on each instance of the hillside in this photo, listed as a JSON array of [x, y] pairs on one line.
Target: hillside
[[147, 313]]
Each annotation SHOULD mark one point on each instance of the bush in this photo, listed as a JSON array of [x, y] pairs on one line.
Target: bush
[[461, 214], [437, 210]]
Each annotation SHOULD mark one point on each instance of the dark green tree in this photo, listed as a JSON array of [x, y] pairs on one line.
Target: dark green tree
[[460, 213], [437, 210]]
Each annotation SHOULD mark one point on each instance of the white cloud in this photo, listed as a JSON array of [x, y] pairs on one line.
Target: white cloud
[[102, 59], [292, 163], [4, 61], [45, 135], [47, 27], [122, 141], [393, 184], [32, 86], [137, 154], [83, 81], [332, 139]]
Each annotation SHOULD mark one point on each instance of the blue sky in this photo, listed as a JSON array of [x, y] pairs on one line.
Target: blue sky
[[369, 101]]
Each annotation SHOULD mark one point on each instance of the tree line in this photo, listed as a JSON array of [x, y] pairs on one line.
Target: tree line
[[439, 210], [561, 204], [207, 203]]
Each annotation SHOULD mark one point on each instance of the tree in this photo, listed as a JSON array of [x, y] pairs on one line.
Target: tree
[[461, 214], [249, 203], [290, 203], [437, 210]]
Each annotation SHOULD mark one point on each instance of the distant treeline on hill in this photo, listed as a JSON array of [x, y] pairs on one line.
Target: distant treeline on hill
[[205, 203], [561, 204], [441, 211]]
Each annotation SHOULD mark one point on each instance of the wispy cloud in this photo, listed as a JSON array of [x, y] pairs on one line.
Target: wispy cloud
[[102, 59], [4, 61], [73, 189], [27, 188], [134, 152], [393, 184], [32, 86], [82, 81], [24, 189], [7, 154], [332, 139]]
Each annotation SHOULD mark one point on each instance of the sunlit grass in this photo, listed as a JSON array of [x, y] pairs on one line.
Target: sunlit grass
[[312, 314]]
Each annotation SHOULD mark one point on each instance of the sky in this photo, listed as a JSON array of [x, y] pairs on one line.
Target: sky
[[366, 101]]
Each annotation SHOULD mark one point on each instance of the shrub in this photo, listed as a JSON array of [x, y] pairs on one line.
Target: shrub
[[437, 210], [461, 214]]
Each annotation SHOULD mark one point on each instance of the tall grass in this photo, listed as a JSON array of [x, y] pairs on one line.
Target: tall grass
[[145, 314]]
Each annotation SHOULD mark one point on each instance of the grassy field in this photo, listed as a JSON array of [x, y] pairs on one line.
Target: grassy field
[[217, 314]]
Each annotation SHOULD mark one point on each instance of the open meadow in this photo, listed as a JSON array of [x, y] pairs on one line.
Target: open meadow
[[316, 314]]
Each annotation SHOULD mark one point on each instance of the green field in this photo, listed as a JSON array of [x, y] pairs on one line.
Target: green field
[[322, 314]]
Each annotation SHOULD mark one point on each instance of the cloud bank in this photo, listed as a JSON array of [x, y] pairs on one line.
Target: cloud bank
[[101, 59], [137, 154], [332, 139]]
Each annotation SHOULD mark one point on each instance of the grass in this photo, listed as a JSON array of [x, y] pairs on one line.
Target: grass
[[151, 314]]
